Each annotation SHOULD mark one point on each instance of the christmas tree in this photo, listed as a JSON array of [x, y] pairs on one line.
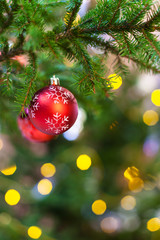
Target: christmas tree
[[99, 179]]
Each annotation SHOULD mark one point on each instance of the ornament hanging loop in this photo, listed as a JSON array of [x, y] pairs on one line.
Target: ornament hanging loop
[[54, 80]]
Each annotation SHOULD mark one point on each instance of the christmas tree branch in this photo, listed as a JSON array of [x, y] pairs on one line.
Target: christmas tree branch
[[84, 56], [156, 28], [11, 53], [30, 82], [113, 18], [154, 17], [114, 14], [86, 61], [138, 15], [72, 11], [8, 73], [125, 40], [151, 43], [144, 65], [6, 7], [7, 23], [49, 45]]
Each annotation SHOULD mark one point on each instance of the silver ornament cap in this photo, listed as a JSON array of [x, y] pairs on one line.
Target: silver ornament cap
[[54, 80]]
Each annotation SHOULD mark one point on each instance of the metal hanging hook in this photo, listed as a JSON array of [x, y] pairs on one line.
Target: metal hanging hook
[[54, 80]]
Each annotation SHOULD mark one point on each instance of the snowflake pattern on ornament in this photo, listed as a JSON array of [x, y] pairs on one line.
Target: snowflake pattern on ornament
[[33, 114], [35, 97], [35, 105], [58, 123], [59, 95]]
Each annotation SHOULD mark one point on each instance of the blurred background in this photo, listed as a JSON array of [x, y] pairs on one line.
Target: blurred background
[[101, 178]]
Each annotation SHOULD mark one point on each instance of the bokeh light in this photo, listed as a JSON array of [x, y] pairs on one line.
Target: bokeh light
[[113, 125], [153, 224], [84, 162], [130, 222], [75, 22], [9, 171], [74, 132], [150, 117], [128, 202], [146, 83], [136, 184], [149, 185], [109, 224], [99, 207], [12, 197], [34, 232], [78, 18], [131, 172], [115, 80], [48, 170], [155, 97], [5, 218], [151, 146], [45, 186], [1, 144]]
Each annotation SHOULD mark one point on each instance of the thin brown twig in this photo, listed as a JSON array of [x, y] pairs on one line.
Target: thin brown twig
[[23, 25], [23, 105], [126, 42], [156, 28], [49, 45], [150, 42], [138, 14], [115, 39], [83, 79], [35, 10], [115, 12], [116, 52]]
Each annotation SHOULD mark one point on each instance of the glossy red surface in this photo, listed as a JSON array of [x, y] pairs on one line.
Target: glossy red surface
[[53, 110], [30, 132]]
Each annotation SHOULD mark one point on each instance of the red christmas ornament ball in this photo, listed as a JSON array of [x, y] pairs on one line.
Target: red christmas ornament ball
[[29, 131], [53, 110]]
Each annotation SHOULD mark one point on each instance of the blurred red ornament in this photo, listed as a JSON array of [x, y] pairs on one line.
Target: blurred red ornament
[[22, 59], [53, 109], [29, 131]]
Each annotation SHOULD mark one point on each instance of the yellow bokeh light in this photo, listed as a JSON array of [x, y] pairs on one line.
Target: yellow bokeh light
[[99, 207], [153, 224], [128, 202], [83, 162], [1, 144], [131, 172], [45, 187], [48, 170], [75, 22], [155, 97], [12, 197], [109, 225], [136, 184], [115, 80], [9, 171], [5, 218], [34, 232], [150, 117]]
